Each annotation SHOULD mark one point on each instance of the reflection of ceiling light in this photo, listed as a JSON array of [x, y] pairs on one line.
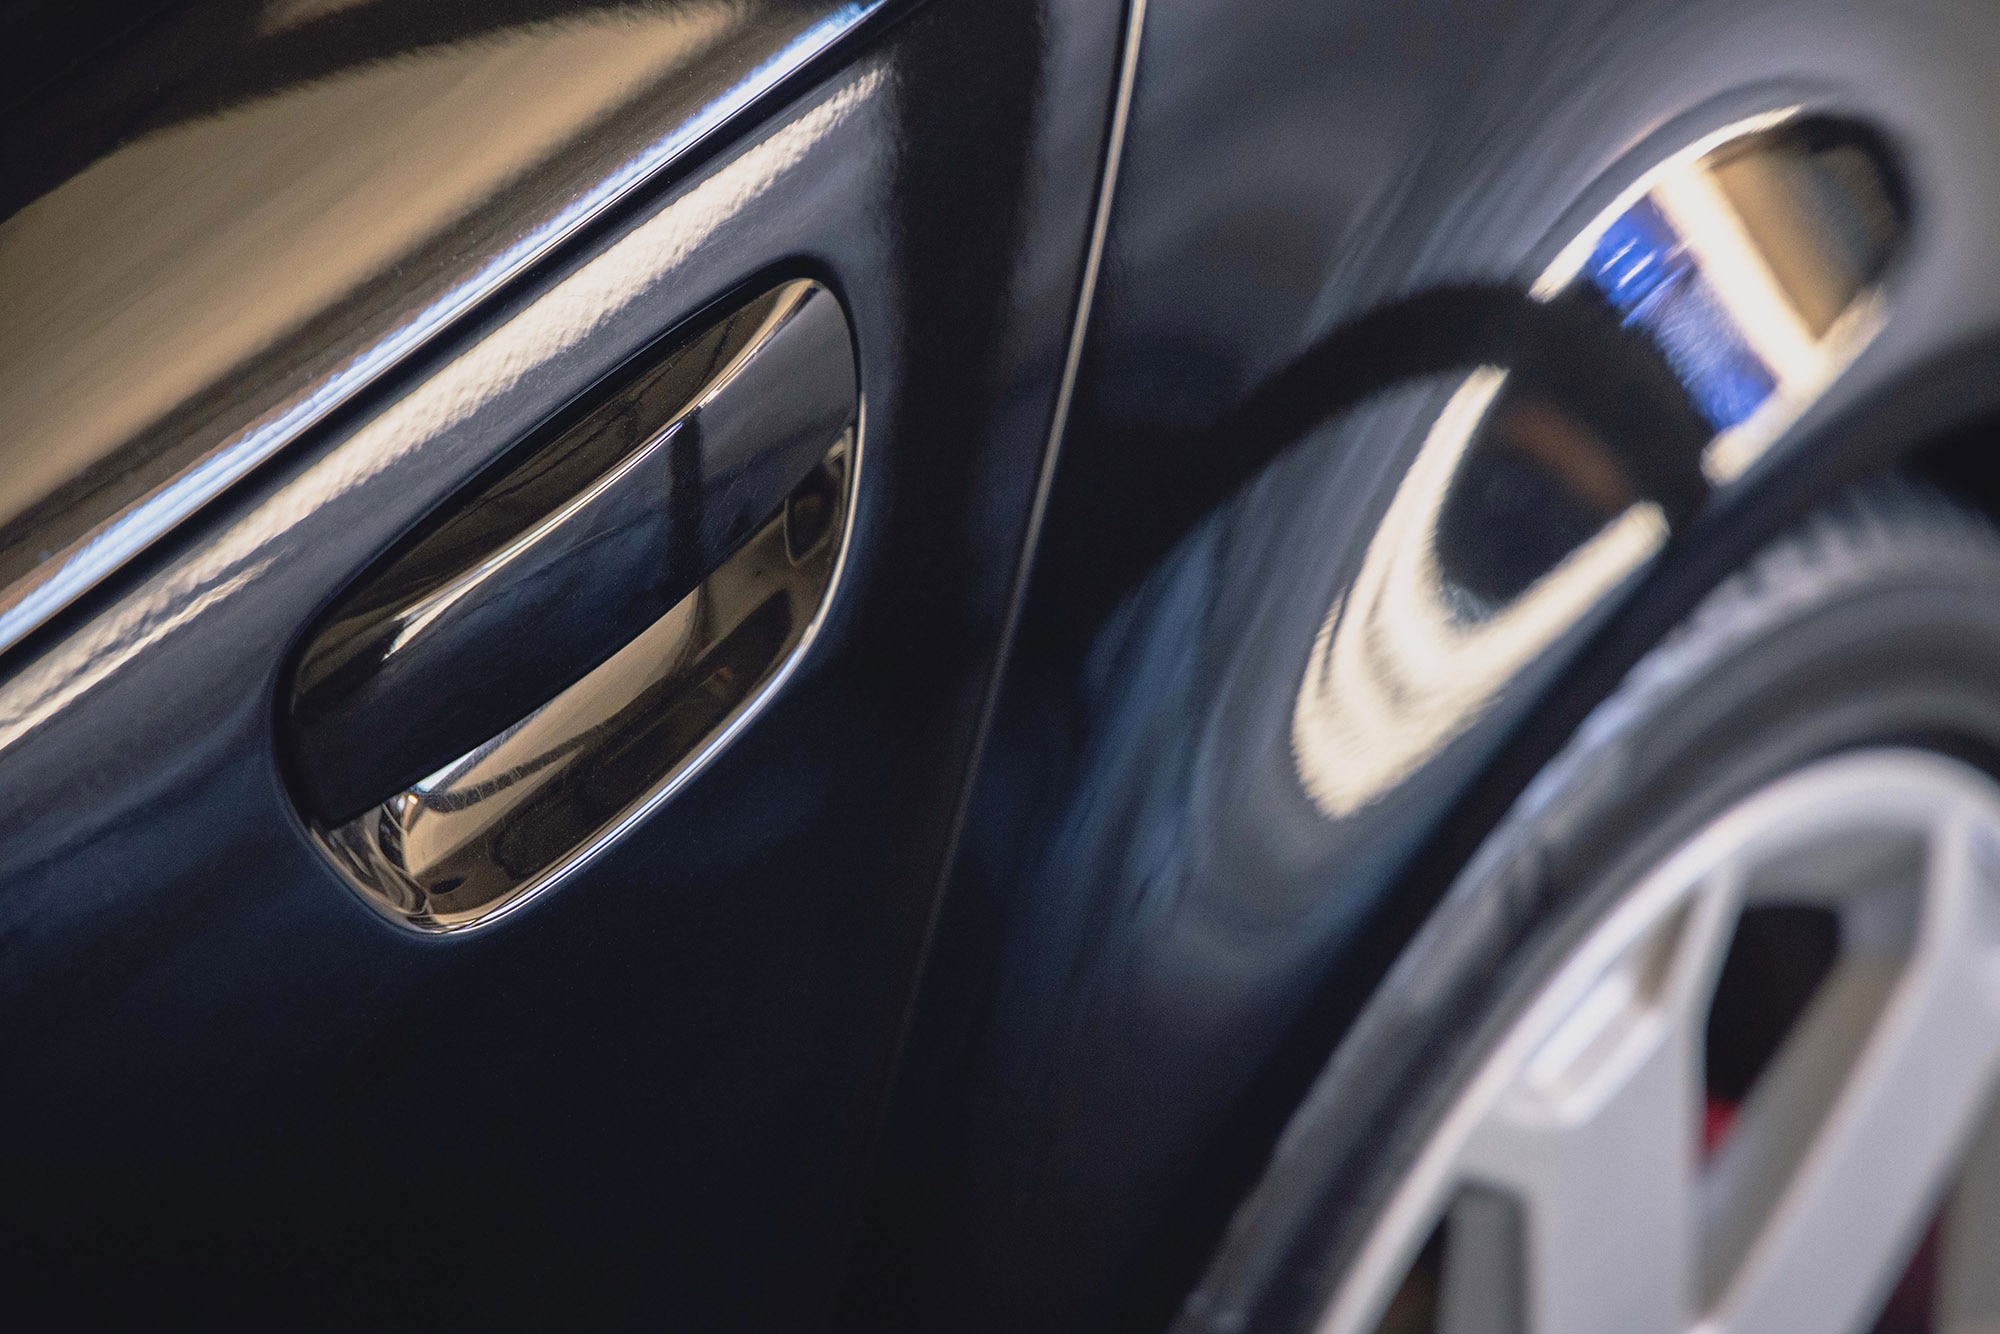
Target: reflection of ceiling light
[[552, 323], [1747, 350], [1569, 262], [147, 261], [1731, 453], [1395, 674], [1737, 272], [1748, 259]]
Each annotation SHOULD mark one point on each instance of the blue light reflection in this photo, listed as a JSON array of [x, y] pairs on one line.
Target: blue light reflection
[[1645, 271]]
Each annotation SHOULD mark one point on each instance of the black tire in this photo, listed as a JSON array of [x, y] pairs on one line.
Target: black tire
[[1874, 621]]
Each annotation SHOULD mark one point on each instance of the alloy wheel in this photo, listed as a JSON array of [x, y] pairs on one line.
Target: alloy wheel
[[1745, 1099]]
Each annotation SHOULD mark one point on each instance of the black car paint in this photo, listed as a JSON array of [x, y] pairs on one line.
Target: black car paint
[[1150, 942], [649, 1099], [278, 204], [656, 1095]]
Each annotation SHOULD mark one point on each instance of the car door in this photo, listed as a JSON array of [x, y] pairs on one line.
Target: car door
[[312, 307]]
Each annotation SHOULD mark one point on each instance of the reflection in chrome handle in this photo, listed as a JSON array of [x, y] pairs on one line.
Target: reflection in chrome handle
[[497, 825], [545, 572], [497, 697]]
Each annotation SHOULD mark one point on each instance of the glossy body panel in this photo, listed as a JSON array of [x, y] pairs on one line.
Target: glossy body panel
[[1155, 931], [655, 1094], [229, 225], [652, 1095]]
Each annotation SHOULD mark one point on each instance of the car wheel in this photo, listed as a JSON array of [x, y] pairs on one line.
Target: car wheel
[[1706, 1033]]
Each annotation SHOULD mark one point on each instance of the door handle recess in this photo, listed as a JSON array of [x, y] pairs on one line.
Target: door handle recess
[[570, 637]]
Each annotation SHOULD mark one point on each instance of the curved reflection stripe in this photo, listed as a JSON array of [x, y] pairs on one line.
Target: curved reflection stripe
[[1677, 257], [1395, 673], [556, 321], [68, 573], [1750, 260]]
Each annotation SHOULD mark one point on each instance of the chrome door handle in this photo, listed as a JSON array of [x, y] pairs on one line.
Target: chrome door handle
[[681, 523]]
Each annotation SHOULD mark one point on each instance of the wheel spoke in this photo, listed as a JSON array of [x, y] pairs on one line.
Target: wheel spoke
[[1597, 1132], [1866, 1185], [1778, 1125], [1969, 1287], [1605, 1198], [1571, 1171]]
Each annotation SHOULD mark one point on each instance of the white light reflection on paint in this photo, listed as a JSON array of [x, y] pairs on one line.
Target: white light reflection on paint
[[554, 323], [1394, 673], [1568, 263], [1755, 318], [1731, 453], [67, 575], [1737, 272]]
